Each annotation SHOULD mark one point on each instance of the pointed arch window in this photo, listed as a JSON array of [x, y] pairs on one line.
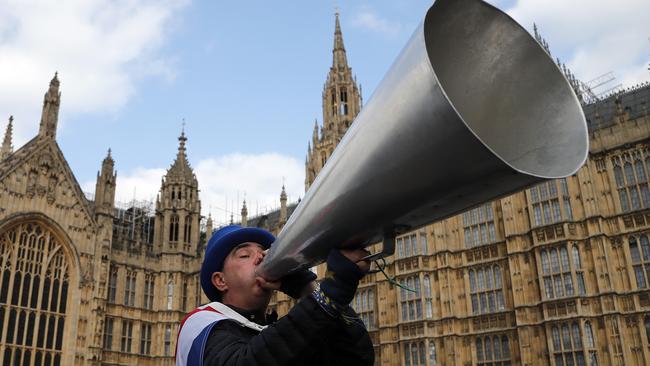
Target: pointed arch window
[[173, 229], [112, 284], [415, 354], [411, 301], [492, 350], [478, 226], [577, 266], [187, 232], [631, 178], [486, 289], [432, 352], [168, 340], [640, 259], [184, 297], [127, 336], [170, 294], [148, 291], [129, 289], [559, 278], [108, 334], [343, 105], [145, 339], [34, 280], [550, 202], [568, 348], [427, 297], [412, 244], [407, 354]]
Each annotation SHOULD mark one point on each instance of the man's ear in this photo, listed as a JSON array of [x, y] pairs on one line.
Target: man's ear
[[219, 282]]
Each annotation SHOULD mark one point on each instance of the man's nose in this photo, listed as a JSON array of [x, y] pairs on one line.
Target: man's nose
[[259, 258]]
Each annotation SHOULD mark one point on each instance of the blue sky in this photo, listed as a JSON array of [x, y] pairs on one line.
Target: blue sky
[[246, 76]]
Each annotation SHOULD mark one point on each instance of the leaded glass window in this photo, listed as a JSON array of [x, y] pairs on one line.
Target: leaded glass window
[[557, 272], [170, 294], [34, 293], [411, 301], [550, 204], [148, 291], [568, 348], [631, 179], [640, 254], [145, 339], [129, 289], [412, 244], [486, 289], [478, 226], [493, 351]]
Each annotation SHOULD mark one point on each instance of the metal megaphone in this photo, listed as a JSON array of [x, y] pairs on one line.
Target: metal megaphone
[[472, 109]]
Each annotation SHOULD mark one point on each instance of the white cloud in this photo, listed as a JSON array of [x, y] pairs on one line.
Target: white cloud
[[222, 181], [367, 19], [100, 49], [593, 37], [259, 177]]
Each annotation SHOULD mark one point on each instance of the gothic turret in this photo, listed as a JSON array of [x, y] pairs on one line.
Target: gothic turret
[[105, 187], [341, 104], [7, 148], [50, 114], [244, 215], [283, 207], [178, 207], [208, 227]]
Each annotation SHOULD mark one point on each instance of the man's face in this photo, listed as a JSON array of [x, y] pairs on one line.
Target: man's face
[[243, 286]]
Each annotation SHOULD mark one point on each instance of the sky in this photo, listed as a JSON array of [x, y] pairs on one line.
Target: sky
[[246, 78]]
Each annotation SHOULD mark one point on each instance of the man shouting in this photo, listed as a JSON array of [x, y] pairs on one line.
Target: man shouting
[[321, 329]]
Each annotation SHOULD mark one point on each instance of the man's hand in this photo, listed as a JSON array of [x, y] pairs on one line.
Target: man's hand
[[344, 270], [269, 285], [298, 284], [355, 256]]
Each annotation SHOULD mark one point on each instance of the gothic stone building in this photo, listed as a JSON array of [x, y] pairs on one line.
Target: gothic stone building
[[83, 281]]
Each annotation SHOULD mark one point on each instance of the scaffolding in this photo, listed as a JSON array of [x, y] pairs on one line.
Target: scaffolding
[[133, 227], [591, 91]]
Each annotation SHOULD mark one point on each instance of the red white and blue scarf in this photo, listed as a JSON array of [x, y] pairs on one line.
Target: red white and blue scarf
[[195, 329]]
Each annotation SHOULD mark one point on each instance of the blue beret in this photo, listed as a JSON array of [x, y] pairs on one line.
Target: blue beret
[[220, 245]]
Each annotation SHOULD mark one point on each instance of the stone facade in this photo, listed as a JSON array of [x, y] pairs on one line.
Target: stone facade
[[83, 281]]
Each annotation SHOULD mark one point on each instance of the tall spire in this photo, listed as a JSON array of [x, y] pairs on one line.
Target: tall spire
[[283, 194], [339, 60], [244, 214], [108, 163], [50, 114], [7, 148], [105, 187], [208, 226], [181, 167], [283, 205], [341, 104]]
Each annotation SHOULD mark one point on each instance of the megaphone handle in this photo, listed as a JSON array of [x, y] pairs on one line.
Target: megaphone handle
[[387, 249]]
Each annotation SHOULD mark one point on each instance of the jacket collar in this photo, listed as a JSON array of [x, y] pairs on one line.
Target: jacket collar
[[233, 313]]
